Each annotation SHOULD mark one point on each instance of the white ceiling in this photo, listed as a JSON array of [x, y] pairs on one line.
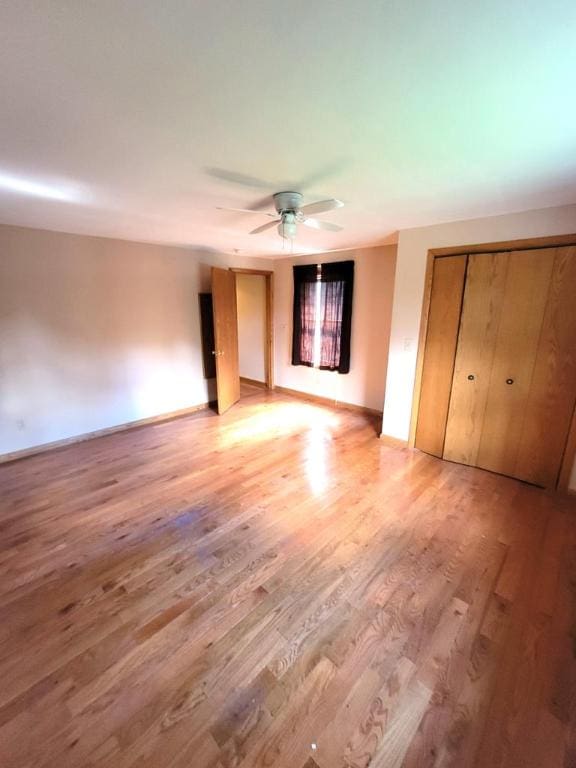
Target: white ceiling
[[120, 117]]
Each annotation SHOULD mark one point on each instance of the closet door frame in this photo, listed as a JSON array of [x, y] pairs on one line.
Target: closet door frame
[[507, 245]]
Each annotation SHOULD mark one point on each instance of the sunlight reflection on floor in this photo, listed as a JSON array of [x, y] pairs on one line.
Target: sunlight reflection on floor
[[316, 459], [266, 422], [314, 425]]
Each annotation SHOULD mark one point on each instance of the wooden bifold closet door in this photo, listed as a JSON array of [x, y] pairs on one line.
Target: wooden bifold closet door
[[513, 377], [441, 339]]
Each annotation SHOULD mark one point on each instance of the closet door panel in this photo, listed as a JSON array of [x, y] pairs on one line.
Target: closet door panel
[[438, 365], [523, 304], [552, 394], [483, 295]]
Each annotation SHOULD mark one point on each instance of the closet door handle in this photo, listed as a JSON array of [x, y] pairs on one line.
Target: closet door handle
[[509, 381], [471, 377]]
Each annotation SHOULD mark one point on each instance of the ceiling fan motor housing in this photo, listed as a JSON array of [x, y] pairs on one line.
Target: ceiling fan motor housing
[[288, 201]]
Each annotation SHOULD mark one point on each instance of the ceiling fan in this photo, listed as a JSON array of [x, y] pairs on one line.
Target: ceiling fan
[[290, 212]]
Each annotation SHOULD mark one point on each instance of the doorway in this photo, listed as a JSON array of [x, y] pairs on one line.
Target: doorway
[[254, 301], [252, 333], [255, 327]]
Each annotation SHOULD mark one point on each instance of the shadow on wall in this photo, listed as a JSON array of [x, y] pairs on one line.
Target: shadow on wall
[[371, 335]]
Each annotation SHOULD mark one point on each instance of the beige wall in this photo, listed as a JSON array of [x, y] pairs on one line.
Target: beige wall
[[413, 246], [251, 301], [96, 332], [371, 314]]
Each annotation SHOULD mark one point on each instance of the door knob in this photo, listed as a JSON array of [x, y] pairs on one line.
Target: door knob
[[509, 381], [471, 377]]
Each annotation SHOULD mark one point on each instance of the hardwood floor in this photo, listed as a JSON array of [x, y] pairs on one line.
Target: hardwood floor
[[277, 587], [247, 390]]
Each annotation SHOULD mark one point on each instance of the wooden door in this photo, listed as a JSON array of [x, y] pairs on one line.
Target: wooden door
[[483, 294], [528, 276], [514, 383], [552, 395], [438, 364], [225, 338]]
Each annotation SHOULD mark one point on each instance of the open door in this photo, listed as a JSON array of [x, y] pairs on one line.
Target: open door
[[225, 338]]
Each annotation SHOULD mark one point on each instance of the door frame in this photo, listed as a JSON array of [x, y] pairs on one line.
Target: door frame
[[462, 250], [269, 346]]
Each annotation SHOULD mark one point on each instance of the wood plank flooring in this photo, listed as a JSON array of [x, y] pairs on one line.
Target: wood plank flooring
[[277, 587]]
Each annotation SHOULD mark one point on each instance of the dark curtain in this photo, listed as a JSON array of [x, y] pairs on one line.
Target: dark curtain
[[304, 324], [336, 286], [336, 315]]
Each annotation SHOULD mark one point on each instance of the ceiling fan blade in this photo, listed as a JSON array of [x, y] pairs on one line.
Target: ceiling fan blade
[[326, 225], [264, 227], [320, 175], [245, 210], [265, 202], [321, 206], [238, 178]]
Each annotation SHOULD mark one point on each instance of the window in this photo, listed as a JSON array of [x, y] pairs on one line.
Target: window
[[323, 315]]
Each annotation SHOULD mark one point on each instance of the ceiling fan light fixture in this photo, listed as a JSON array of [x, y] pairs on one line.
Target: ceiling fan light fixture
[[287, 227]]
